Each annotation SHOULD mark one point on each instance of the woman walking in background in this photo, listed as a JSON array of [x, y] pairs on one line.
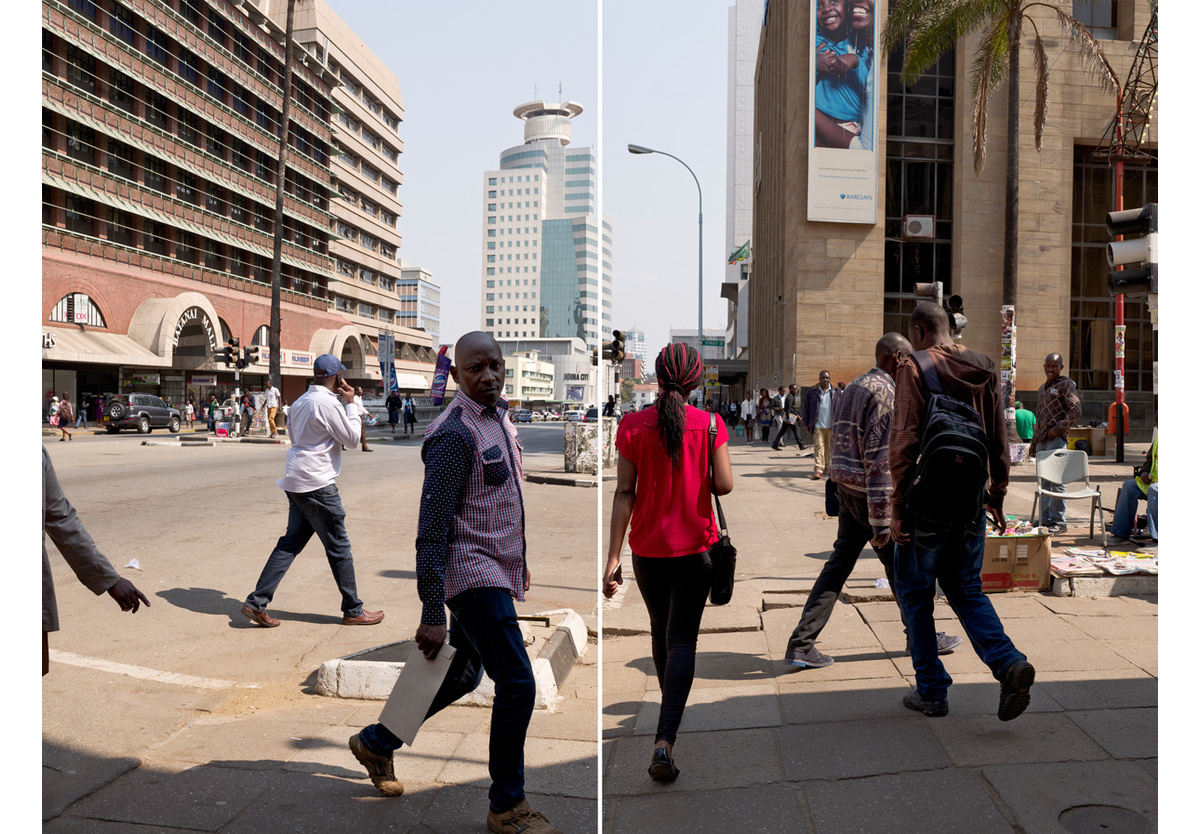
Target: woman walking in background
[[62, 413], [764, 413], [662, 498]]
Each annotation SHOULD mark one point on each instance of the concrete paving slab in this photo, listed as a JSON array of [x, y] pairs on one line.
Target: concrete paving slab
[[736, 642], [1143, 629], [1123, 733], [816, 702], [723, 668], [327, 803], [1037, 794], [707, 762], [202, 798], [866, 748], [773, 808], [1086, 607], [1136, 652], [1027, 630], [262, 744], [73, 775], [421, 763], [1076, 656], [1150, 766], [629, 678], [863, 664], [716, 708], [903, 802], [565, 768], [1078, 692], [464, 808], [616, 648], [976, 740]]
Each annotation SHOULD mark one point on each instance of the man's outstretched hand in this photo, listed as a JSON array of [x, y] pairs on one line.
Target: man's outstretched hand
[[430, 639], [127, 596]]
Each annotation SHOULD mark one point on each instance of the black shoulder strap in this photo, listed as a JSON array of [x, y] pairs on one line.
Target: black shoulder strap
[[932, 381], [712, 449]]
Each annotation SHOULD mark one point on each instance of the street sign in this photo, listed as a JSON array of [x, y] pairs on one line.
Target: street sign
[[713, 342]]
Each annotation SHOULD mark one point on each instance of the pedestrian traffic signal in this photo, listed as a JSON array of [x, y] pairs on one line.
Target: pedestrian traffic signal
[[251, 354], [1141, 251], [932, 291], [224, 355]]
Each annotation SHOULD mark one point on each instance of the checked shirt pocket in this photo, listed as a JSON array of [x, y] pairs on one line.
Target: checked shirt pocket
[[495, 467]]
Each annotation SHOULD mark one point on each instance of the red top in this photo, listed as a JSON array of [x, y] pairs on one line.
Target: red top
[[673, 508]]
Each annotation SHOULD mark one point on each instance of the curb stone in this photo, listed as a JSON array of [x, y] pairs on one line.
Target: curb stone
[[353, 676]]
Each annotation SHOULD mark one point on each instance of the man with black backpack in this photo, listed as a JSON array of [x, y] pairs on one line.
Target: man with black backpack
[[947, 441]]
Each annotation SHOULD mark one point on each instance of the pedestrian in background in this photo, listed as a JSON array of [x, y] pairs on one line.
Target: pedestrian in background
[[189, 412], [393, 405], [212, 414], [931, 551], [81, 415], [1058, 409], [763, 407], [61, 523], [362, 421], [1143, 486], [1025, 422], [820, 403], [314, 460], [410, 414], [471, 559], [787, 417], [749, 417], [65, 415], [271, 403], [663, 498], [859, 468]]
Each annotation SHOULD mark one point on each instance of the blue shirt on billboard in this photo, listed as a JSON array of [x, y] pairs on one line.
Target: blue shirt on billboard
[[842, 98]]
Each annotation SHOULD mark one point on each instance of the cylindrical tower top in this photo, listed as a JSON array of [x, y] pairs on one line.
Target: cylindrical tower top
[[548, 120]]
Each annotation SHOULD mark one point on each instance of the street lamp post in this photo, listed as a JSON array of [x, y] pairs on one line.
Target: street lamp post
[[640, 149]]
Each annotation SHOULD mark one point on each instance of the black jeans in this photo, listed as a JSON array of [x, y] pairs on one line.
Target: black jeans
[[854, 532], [674, 590], [785, 429]]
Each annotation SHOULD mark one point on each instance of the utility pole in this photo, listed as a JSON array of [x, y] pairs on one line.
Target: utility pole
[[273, 339]]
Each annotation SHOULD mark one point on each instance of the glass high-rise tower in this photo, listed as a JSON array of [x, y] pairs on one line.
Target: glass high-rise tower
[[547, 263]]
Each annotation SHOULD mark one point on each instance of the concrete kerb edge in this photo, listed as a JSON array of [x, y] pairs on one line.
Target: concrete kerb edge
[[373, 680]]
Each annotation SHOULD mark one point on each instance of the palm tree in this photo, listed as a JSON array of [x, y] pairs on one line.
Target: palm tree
[[927, 28]]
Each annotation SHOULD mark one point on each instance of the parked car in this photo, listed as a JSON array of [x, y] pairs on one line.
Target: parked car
[[144, 412], [592, 415], [522, 415], [574, 416]]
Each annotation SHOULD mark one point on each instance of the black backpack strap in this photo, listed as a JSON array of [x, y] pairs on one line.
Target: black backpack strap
[[712, 448], [932, 381]]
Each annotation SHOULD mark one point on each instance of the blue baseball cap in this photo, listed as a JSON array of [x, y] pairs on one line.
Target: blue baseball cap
[[327, 365]]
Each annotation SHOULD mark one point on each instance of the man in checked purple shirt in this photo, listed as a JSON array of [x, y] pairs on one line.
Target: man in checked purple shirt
[[471, 559]]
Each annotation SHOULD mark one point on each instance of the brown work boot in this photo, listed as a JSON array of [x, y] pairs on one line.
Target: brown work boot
[[365, 618], [520, 819], [379, 768], [261, 617]]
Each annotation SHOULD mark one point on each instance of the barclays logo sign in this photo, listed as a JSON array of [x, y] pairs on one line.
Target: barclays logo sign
[[867, 197]]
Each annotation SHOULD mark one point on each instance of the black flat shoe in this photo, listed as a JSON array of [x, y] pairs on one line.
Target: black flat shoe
[[662, 768]]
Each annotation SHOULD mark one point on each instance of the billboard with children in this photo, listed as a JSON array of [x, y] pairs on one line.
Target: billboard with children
[[842, 163]]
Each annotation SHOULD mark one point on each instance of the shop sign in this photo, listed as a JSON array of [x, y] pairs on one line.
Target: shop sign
[[203, 380], [47, 341], [82, 303], [575, 377], [146, 379], [195, 314], [291, 358]]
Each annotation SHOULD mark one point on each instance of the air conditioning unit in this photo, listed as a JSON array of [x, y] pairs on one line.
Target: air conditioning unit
[[918, 226]]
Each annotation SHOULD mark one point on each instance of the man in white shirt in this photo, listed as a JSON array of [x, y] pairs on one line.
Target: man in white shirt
[[749, 417], [362, 423], [318, 425], [272, 406]]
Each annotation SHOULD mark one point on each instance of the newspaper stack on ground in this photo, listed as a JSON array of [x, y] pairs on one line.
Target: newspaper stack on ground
[[1078, 561]]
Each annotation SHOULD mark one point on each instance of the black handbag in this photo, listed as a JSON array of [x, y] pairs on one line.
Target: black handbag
[[723, 554]]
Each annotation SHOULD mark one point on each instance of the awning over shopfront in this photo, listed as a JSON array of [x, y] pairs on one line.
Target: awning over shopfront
[[98, 348], [414, 382]]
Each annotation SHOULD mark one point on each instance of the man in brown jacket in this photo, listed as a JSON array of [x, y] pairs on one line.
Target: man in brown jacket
[[1058, 409], [949, 554]]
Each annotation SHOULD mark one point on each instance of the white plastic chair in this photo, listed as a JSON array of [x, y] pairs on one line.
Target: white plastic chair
[[1062, 467]]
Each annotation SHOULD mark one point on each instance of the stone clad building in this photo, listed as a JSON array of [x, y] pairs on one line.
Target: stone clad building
[[822, 293]]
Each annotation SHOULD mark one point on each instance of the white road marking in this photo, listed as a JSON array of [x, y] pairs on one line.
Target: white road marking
[[145, 674]]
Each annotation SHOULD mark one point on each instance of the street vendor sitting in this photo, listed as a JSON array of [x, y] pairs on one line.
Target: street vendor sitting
[[1144, 485]]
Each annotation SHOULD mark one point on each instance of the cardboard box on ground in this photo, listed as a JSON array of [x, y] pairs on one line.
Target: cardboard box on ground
[[1015, 563]]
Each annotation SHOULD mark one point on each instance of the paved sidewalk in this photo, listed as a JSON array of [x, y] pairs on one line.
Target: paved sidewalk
[[764, 747], [250, 762]]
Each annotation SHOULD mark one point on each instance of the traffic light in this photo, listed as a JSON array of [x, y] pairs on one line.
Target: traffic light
[[618, 346], [224, 355], [251, 354], [958, 320], [931, 291], [1140, 250]]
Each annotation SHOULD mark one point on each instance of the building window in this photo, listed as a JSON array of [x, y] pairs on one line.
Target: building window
[[81, 142], [155, 173], [343, 305], [214, 198], [121, 22], [1093, 310], [120, 227], [242, 47], [347, 232], [190, 9], [367, 241], [81, 69], [213, 256], [185, 186], [367, 276], [77, 308], [121, 90], [365, 309], [157, 45], [80, 215], [237, 208], [345, 268], [241, 100], [120, 159], [1100, 16], [189, 66], [217, 28], [158, 110], [185, 126], [155, 239], [217, 84], [87, 8], [186, 249]]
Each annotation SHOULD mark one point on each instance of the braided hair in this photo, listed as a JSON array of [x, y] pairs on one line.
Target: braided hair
[[679, 371]]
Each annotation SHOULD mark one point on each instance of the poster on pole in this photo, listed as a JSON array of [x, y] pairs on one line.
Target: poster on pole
[[387, 362], [843, 178]]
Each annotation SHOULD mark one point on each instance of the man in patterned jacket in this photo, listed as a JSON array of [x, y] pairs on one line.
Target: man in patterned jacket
[[861, 426], [471, 559], [1058, 409]]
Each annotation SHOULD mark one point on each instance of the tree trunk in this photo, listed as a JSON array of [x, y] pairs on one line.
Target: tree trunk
[[273, 339], [1012, 182]]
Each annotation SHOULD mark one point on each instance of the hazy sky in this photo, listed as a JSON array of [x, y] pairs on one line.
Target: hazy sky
[[462, 69]]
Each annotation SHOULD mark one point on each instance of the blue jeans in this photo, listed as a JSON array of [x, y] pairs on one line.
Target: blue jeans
[[1125, 515], [951, 556], [82, 418], [317, 512], [1054, 510], [484, 632]]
